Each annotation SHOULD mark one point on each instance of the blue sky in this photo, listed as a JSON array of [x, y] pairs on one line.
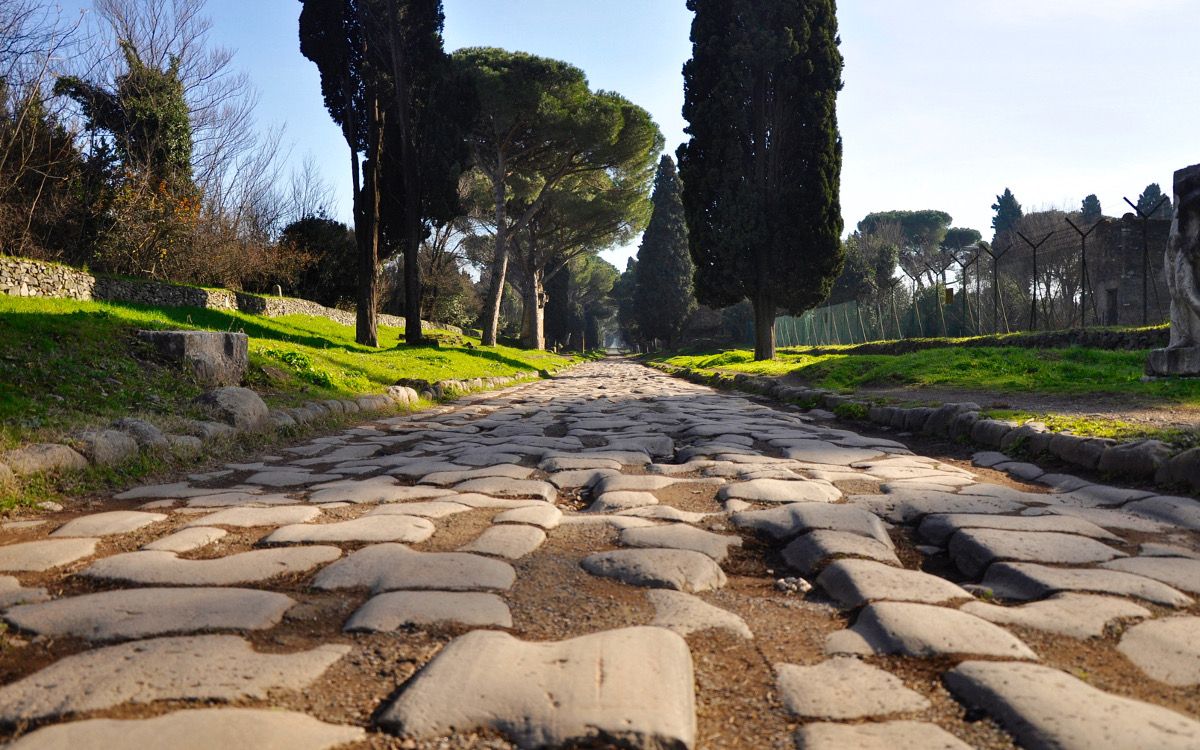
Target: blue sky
[[947, 102]]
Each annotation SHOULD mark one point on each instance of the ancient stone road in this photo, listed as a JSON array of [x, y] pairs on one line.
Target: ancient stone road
[[611, 558]]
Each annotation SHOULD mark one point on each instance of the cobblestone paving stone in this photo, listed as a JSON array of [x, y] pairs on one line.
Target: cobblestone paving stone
[[606, 559]]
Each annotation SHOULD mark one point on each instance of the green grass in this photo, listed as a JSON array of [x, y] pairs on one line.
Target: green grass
[[1076, 371], [66, 364]]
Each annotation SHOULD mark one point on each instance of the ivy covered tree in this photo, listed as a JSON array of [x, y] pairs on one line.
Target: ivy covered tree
[[664, 295], [1008, 213], [761, 173], [1090, 210]]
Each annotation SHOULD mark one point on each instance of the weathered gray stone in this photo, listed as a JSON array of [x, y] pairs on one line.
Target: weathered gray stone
[[392, 611], [621, 500], [184, 445], [907, 505], [1046, 709], [426, 509], [1168, 649], [13, 593], [938, 528], [666, 513], [991, 431], [988, 459], [390, 567], [1080, 451], [252, 517], [1024, 581], [289, 477], [207, 667], [164, 568], [503, 487], [387, 528], [686, 614], [543, 516], [510, 471], [106, 447], [1178, 511], [1138, 459], [512, 541], [1182, 470], [241, 408], [45, 554], [789, 521], [199, 729], [809, 553], [844, 688], [646, 698], [142, 613], [211, 357], [107, 524], [973, 550], [820, 452], [923, 630], [186, 540], [681, 536], [884, 735], [633, 483], [1076, 615], [854, 583], [781, 491], [1183, 574], [682, 570], [43, 457]]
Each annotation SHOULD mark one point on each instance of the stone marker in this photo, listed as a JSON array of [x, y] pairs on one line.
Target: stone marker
[[1076, 615], [392, 611], [681, 536], [686, 614], [192, 668], [45, 554], [682, 570], [512, 541], [645, 697], [390, 567], [199, 729], [211, 357], [844, 688], [1168, 649], [923, 630], [886, 735], [384, 528], [1045, 708], [142, 613], [854, 583], [164, 568]]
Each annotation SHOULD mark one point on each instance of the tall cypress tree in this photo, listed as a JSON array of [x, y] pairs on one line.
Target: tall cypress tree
[[1008, 213], [1091, 210], [762, 171], [664, 295]]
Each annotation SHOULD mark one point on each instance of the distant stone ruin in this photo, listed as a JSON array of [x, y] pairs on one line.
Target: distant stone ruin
[[1182, 355]]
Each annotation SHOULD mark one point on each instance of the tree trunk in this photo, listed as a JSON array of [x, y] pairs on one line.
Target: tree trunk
[[533, 330], [366, 317], [491, 306], [411, 184], [764, 327]]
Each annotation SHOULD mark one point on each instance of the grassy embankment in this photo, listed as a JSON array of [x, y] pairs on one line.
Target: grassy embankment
[[66, 365], [1006, 372]]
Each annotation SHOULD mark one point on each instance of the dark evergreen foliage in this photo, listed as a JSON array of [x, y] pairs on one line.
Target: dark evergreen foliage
[[1149, 200], [1091, 210], [1008, 213], [664, 295], [761, 173]]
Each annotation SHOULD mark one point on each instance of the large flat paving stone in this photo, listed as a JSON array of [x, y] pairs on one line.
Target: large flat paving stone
[[421, 508], [1076, 615], [374, 490], [1045, 709], [504, 487], [107, 524], [1168, 649], [1025, 581], [45, 554], [666, 513], [780, 491], [938, 528], [908, 506], [510, 471], [1183, 574], [810, 552], [12, 593], [142, 613], [973, 550], [679, 569], [686, 614], [512, 541], [1178, 511], [634, 483], [165, 569], [827, 453], [186, 540], [631, 687], [854, 583], [619, 500], [681, 536], [884, 735], [289, 478], [198, 729], [923, 630], [792, 520], [542, 516], [398, 609], [391, 567], [192, 668], [383, 528], [251, 517], [844, 688]]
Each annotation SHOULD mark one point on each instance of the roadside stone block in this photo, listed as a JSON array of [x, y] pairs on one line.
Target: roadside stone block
[[211, 357], [43, 457]]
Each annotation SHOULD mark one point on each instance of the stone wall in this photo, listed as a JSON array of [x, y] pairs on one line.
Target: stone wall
[[21, 277]]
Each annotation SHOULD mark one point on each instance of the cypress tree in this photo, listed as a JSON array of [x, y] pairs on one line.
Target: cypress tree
[[1091, 210], [664, 297], [1008, 213], [761, 173]]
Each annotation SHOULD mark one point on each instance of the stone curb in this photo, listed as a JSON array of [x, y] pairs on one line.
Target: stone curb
[[1141, 460]]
